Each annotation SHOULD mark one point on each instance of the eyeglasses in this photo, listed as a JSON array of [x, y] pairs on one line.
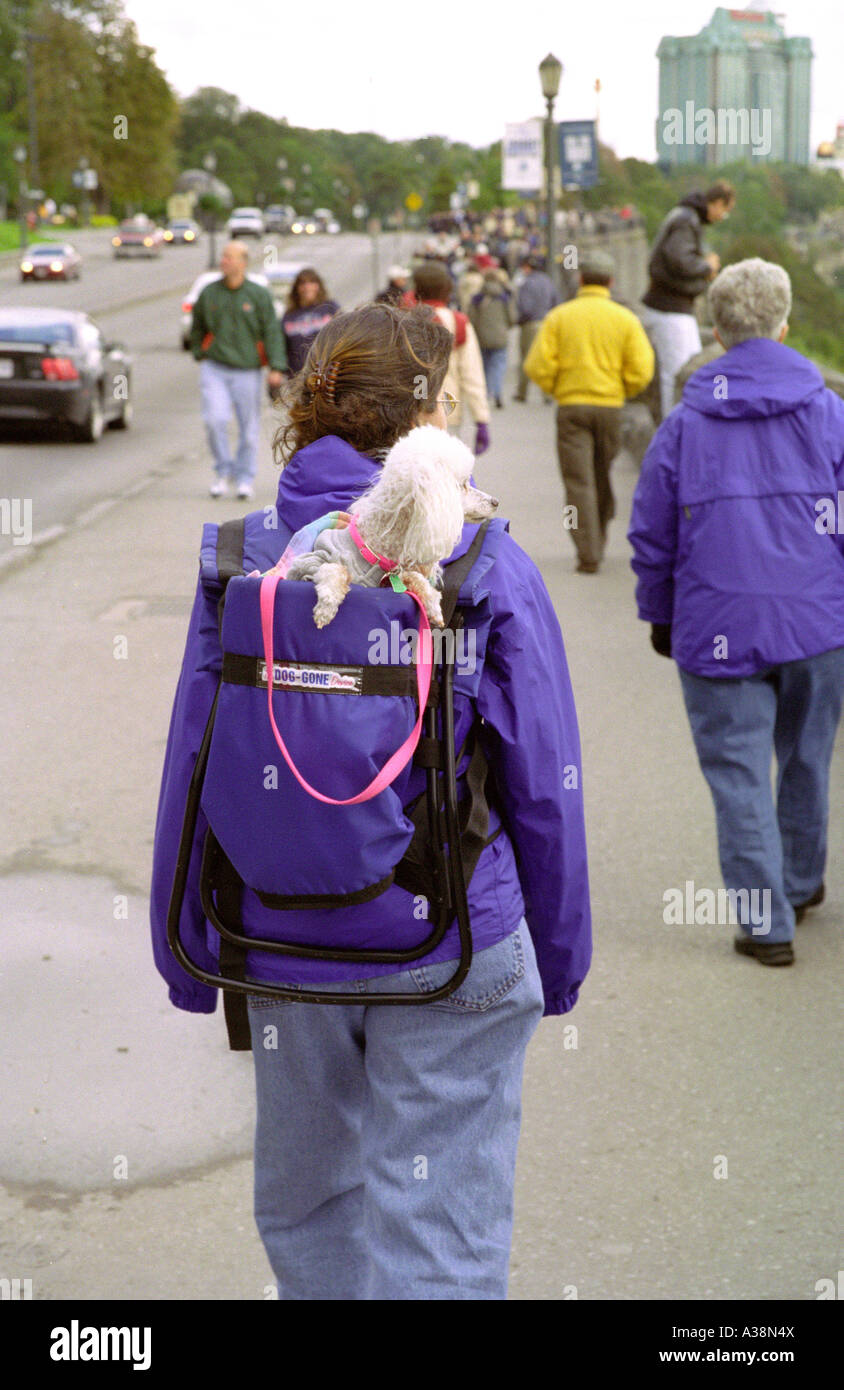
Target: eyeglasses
[[448, 403]]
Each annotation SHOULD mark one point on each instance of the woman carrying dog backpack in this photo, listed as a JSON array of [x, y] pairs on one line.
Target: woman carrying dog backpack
[[386, 1135]]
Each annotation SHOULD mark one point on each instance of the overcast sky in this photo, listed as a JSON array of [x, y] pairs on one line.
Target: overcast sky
[[454, 68]]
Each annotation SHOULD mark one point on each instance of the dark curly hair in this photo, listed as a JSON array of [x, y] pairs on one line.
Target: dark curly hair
[[367, 375]]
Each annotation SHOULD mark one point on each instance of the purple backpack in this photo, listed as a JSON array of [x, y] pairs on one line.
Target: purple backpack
[[270, 845]]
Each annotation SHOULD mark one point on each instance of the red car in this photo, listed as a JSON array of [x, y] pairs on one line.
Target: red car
[[51, 261], [138, 237]]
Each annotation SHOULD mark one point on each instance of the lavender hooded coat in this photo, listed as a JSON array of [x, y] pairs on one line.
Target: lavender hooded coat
[[520, 687], [731, 526]]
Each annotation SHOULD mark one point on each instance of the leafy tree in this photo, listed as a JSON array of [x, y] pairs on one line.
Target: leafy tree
[[89, 69], [442, 187]]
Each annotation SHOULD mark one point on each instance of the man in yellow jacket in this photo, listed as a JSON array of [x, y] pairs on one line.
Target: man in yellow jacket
[[590, 354]]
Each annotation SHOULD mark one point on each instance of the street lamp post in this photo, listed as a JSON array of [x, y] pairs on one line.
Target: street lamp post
[[550, 72], [83, 171], [19, 156], [210, 163], [34, 167]]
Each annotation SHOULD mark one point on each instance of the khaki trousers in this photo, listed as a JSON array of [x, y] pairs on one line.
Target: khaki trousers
[[588, 438]]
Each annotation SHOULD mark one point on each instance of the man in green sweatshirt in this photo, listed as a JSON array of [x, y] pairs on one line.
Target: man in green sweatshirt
[[234, 333]]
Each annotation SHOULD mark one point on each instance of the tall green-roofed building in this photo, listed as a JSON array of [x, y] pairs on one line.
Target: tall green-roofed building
[[737, 90]]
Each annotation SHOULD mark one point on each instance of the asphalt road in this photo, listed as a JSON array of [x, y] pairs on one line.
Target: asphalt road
[[137, 302], [685, 1148]]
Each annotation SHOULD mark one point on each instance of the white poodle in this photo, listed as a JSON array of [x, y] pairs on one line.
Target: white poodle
[[412, 516]]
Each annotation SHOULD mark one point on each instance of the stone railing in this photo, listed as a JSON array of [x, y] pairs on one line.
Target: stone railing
[[629, 250]]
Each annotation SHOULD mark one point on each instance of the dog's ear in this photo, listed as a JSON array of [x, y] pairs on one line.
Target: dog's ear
[[437, 520]]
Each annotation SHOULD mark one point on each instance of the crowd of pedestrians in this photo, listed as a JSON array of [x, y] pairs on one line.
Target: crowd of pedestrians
[[738, 582], [738, 552]]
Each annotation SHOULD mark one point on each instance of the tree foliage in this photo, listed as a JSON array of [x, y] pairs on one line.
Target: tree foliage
[[327, 168], [99, 95]]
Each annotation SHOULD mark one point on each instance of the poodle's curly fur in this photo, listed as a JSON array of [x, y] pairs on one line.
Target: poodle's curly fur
[[413, 514]]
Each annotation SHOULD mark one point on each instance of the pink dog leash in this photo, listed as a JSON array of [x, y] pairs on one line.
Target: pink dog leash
[[402, 755]]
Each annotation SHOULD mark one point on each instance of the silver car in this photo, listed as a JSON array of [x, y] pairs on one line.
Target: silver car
[[245, 222]]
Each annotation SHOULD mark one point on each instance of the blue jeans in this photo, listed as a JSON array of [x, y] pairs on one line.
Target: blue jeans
[[386, 1137], [495, 365], [738, 724], [223, 389]]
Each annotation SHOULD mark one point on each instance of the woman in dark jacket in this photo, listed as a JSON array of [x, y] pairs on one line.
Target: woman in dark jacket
[[386, 1136], [309, 309]]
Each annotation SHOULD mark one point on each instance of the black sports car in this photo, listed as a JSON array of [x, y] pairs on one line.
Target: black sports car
[[55, 364]]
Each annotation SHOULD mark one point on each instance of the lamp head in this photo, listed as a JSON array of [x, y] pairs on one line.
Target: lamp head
[[550, 72]]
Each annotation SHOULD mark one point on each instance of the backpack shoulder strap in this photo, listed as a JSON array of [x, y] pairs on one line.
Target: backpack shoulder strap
[[457, 571], [460, 329], [230, 539], [229, 558]]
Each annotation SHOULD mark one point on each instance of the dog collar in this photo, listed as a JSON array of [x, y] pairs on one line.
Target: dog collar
[[388, 566]]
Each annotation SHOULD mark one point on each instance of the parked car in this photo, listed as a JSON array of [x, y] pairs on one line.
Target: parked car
[[138, 236], [279, 218], [245, 222], [51, 261], [181, 230], [196, 290], [57, 365]]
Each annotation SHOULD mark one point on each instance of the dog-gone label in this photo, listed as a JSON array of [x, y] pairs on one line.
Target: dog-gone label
[[295, 675]]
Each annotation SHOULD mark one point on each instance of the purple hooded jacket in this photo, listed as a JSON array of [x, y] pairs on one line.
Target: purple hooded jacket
[[520, 687], [730, 530]]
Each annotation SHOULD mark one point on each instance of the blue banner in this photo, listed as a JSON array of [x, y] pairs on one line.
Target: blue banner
[[578, 154]]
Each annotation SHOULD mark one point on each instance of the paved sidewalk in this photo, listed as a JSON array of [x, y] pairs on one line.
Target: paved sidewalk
[[685, 1053]]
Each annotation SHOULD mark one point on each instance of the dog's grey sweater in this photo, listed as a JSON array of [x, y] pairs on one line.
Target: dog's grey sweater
[[333, 547]]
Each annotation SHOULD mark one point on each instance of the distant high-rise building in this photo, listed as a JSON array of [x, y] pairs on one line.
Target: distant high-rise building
[[737, 90]]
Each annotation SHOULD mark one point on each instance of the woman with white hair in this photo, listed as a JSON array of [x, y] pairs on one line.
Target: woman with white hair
[[738, 534]]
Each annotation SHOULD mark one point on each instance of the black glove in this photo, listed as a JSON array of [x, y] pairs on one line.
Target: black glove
[[661, 638]]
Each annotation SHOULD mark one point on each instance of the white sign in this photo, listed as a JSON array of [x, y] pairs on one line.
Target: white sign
[[522, 157], [578, 150]]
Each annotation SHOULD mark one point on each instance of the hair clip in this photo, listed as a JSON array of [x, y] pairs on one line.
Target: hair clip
[[331, 380], [316, 379]]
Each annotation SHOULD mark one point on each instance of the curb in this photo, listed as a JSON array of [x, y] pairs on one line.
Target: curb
[[13, 559]]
